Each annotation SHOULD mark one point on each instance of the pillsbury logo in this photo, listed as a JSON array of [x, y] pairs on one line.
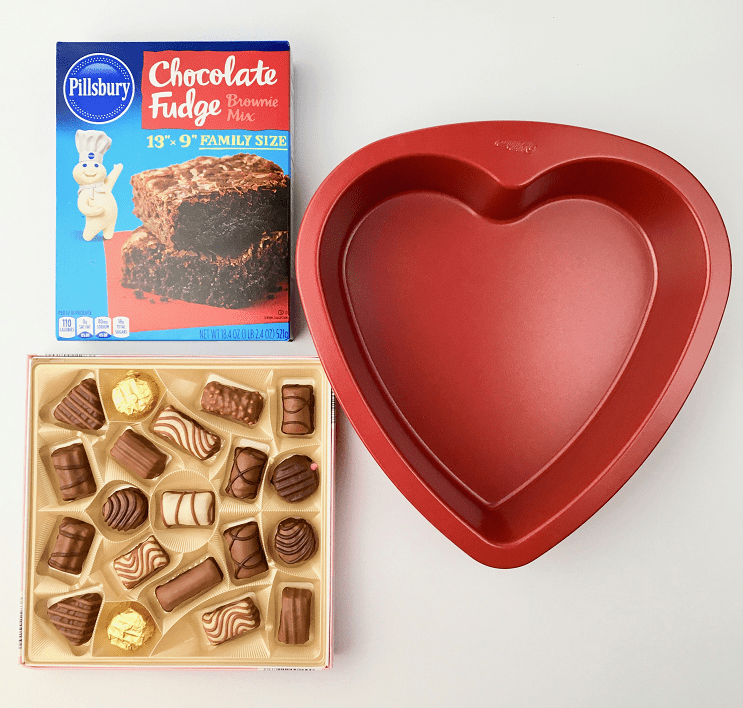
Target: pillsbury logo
[[99, 88]]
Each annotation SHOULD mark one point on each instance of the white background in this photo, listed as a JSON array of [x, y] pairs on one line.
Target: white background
[[643, 605]]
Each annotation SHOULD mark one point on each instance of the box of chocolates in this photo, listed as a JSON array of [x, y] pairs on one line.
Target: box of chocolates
[[179, 513], [173, 190]]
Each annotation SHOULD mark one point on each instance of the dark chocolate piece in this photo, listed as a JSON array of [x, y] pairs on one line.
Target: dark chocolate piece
[[214, 205], [298, 403], [81, 407], [126, 509], [295, 540], [231, 402], [188, 585], [75, 617], [246, 472], [182, 430], [138, 455], [73, 472], [244, 545], [294, 624], [295, 478], [72, 545], [231, 283]]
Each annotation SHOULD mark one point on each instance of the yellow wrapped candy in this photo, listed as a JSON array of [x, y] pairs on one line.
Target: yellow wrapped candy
[[135, 395], [130, 629]]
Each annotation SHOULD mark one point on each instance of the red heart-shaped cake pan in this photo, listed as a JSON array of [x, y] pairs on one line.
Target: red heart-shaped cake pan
[[511, 315]]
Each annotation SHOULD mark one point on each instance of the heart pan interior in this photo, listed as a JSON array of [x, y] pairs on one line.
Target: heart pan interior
[[511, 340]]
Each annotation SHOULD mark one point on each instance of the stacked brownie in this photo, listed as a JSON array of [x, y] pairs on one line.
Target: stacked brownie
[[215, 231]]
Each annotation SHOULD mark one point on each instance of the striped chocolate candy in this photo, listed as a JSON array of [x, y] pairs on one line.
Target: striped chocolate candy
[[186, 433], [140, 563], [231, 620]]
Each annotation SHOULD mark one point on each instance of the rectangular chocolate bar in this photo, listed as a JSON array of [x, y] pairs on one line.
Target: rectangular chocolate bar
[[187, 508], [217, 205], [246, 551], [183, 431], [232, 283], [231, 621], [73, 470], [188, 585], [234, 403], [298, 409], [140, 456], [294, 623], [74, 539], [245, 475], [143, 561]]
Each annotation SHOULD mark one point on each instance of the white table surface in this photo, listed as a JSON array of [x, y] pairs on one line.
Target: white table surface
[[641, 606]]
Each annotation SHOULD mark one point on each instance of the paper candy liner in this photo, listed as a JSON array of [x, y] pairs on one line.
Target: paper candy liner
[[179, 638]]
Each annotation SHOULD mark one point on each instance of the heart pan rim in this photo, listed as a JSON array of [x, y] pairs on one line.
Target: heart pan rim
[[504, 171]]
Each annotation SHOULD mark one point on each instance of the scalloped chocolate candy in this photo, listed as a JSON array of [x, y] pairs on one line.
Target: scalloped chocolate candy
[[81, 407], [126, 509], [138, 455], [295, 540], [295, 478]]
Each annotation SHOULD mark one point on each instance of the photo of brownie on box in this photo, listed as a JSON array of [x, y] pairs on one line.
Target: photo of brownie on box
[[215, 231]]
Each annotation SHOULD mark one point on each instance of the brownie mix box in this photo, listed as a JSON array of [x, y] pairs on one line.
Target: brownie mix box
[[173, 190]]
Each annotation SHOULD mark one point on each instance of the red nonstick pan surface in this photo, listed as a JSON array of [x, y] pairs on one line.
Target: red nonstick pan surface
[[511, 315]]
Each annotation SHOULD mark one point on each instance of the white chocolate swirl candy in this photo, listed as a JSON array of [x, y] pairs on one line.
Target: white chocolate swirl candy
[[187, 508], [140, 563], [230, 621], [183, 431]]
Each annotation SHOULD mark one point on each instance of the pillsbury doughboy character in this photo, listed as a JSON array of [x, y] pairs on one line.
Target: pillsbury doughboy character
[[94, 198]]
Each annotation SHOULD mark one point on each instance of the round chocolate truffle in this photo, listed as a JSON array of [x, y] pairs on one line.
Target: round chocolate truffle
[[295, 478], [131, 629], [295, 540], [135, 395], [126, 509]]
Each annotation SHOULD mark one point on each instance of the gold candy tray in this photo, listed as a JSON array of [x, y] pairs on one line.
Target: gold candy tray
[[179, 638]]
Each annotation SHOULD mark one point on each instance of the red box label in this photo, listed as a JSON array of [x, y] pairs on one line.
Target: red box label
[[215, 90]]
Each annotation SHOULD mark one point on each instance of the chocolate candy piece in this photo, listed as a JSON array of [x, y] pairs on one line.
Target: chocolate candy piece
[[187, 508], [73, 472], [185, 432], [72, 546], [246, 472], [231, 402], [126, 509], [135, 395], [131, 629], [244, 545], [294, 624], [295, 540], [74, 617], [295, 478], [188, 585], [138, 455], [81, 407], [140, 563], [231, 620], [298, 403]]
